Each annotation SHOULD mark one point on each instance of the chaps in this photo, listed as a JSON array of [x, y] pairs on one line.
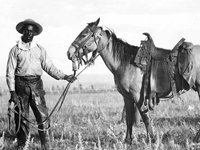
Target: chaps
[[31, 94]]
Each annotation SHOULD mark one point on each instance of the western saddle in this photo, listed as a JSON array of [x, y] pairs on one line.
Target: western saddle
[[161, 68]]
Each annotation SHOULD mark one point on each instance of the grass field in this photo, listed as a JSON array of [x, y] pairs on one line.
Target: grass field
[[91, 121]]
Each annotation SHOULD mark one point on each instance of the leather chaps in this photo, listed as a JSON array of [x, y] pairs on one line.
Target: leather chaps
[[31, 93]]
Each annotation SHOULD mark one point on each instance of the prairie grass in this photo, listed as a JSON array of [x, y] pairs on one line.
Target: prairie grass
[[91, 122]]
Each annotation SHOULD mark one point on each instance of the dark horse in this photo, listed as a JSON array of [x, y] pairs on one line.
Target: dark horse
[[119, 57]]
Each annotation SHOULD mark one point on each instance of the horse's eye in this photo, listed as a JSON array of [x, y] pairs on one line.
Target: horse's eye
[[83, 35]]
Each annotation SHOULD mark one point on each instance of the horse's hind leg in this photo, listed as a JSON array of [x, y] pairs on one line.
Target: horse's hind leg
[[149, 129], [197, 136], [123, 115], [130, 110], [136, 116]]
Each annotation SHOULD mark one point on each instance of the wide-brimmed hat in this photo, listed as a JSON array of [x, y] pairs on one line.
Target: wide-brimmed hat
[[38, 27]]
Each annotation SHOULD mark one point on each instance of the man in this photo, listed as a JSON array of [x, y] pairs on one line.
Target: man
[[25, 66]]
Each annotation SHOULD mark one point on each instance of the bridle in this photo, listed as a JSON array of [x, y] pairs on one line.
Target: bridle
[[84, 47]]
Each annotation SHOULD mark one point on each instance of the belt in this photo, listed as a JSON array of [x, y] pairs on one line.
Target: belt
[[28, 78]]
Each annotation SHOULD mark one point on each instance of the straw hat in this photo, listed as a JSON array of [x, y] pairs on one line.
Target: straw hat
[[38, 27]]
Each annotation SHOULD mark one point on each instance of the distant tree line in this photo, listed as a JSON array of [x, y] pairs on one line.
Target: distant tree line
[[80, 89], [56, 89]]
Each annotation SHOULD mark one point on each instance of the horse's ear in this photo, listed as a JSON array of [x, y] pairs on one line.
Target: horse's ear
[[94, 24], [97, 22]]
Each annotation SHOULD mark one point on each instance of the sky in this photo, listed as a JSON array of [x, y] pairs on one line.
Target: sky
[[166, 20]]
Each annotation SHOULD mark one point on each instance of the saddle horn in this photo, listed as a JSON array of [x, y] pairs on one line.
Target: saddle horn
[[149, 38], [148, 35]]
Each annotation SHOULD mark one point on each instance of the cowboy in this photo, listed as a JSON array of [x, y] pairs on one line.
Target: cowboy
[[25, 66]]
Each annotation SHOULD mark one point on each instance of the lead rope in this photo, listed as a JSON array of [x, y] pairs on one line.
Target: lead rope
[[61, 99], [19, 123]]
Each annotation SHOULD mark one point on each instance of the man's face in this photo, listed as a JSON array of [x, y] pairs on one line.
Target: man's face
[[28, 33]]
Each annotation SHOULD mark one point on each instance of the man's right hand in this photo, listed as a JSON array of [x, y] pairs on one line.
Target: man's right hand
[[13, 97], [70, 78]]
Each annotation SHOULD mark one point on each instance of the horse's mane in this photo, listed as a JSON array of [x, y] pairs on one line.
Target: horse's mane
[[122, 51]]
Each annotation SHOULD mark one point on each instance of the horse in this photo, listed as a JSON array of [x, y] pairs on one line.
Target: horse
[[118, 55]]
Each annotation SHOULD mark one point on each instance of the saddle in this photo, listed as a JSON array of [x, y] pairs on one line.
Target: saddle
[[161, 65]]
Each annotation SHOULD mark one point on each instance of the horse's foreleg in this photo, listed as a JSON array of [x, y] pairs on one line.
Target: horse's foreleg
[[129, 106]]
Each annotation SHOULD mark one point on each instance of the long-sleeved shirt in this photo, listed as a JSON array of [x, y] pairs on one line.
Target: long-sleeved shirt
[[29, 59]]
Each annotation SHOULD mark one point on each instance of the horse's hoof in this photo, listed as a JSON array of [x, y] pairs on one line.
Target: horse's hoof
[[197, 137], [128, 141], [151, 105], [196, 140], [144, 108], [120, 121]]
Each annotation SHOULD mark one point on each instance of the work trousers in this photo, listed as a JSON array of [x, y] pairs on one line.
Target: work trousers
[[31, 94]]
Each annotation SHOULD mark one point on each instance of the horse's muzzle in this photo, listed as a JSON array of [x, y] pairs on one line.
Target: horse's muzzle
[[71, 52]]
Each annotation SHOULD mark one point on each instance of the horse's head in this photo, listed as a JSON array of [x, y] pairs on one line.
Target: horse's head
[[87, 41]]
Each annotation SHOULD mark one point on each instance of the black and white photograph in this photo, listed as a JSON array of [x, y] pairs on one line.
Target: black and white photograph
[[100, 75]]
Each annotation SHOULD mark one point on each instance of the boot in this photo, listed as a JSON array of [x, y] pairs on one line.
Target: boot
[[45, 146]]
